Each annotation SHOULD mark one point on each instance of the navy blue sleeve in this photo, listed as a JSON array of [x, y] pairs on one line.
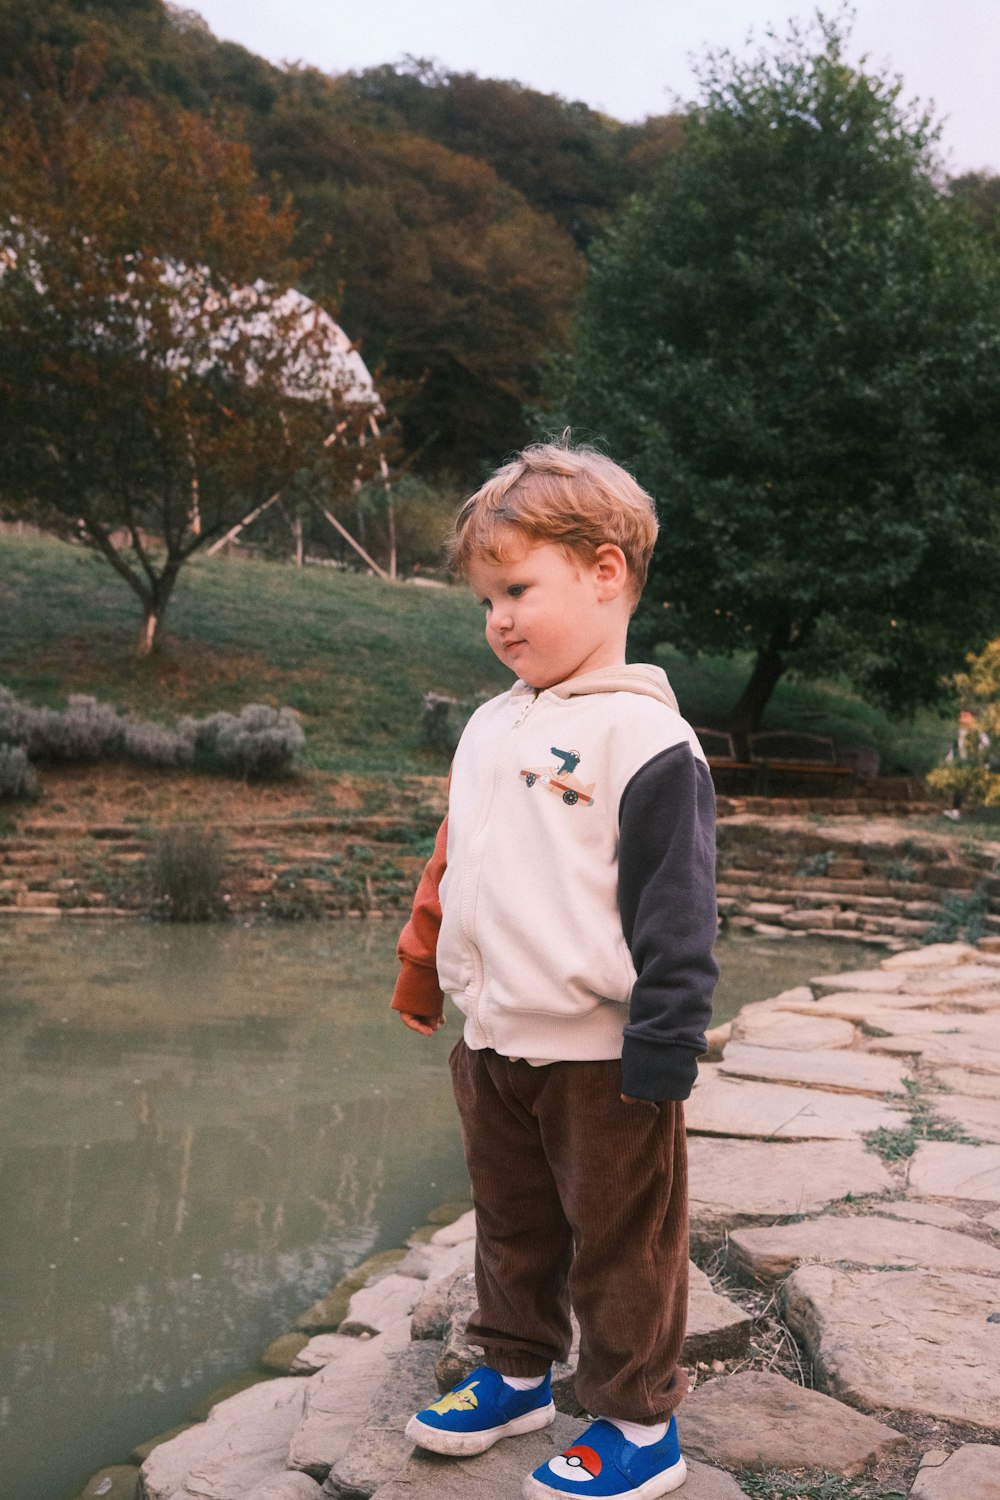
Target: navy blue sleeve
[[666, 897]]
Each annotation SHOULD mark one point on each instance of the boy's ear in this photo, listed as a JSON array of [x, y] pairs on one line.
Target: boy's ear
[[610, 570]]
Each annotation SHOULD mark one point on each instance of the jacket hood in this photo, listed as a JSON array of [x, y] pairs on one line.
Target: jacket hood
[[641, 678]]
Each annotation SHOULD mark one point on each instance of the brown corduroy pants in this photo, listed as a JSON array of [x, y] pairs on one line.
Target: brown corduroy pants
[[579, 1198]]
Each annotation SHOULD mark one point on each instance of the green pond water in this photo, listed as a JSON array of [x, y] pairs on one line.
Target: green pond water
[[203, 1128]]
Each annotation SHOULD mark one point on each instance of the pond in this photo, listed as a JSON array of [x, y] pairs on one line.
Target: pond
[[203, 1128]]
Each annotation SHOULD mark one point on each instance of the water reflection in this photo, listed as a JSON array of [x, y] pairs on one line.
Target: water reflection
[[202, 1129]]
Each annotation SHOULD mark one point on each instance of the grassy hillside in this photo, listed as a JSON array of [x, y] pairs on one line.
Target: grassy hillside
[[353, 655]]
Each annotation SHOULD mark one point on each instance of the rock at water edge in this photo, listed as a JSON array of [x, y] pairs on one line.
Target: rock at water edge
[[243, 1442], [380, 1447], [337, 1402]]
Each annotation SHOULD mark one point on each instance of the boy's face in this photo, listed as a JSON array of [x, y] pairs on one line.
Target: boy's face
[[551, 615]]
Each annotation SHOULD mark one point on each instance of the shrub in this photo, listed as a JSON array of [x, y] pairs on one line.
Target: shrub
[[17, 779], [186, 874], [259, 742], [87, 730]]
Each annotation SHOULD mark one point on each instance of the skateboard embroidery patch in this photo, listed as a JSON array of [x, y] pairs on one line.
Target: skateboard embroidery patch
[[561, 780]]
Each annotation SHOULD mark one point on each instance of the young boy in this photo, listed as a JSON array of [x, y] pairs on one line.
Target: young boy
[[569, 912]]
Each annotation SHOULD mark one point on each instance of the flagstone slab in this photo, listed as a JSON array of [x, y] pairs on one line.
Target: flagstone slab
[[956, 982], [243, 1442], [964, 1081], [717, 1328], [956, 1039], [927, 1212], [856, 1006], [947, 1169], [776, 1111], [972, 1472], [934, 956], [977, 1117], [871, 981], [499, 1473], [902, 1341], [767, 1024], [850, 1072], [992, 1221], [760, 1421], [735, 1182], [767, 1254]]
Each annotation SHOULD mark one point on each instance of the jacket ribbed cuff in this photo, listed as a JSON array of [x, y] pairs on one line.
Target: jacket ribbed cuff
[[653, 1071], [417, 991]]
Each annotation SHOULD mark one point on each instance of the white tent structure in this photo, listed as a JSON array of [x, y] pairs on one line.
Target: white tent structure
[[321, 358]]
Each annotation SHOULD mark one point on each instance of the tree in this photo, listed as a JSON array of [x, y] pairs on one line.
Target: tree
[[446, 274], [157, 379], [793, 341]]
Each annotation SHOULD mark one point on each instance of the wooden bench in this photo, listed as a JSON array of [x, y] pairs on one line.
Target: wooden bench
[[723, 762], [780, 754], [795, 753]]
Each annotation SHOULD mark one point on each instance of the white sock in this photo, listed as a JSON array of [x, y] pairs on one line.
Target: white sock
[[642, 1434], [523, 1382]]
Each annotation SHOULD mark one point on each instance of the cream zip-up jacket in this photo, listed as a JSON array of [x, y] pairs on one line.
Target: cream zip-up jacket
[[577, 881]]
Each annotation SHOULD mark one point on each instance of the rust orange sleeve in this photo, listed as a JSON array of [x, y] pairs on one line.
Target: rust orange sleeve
[[417, 990]]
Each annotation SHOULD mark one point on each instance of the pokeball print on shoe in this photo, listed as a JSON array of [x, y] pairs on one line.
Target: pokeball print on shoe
[[580, 1464]]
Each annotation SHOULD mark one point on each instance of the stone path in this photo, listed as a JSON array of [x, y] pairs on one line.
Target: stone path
[[845, 1160]]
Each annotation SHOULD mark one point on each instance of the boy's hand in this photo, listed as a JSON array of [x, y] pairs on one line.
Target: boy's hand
[[628, 1099], [422, 1024]]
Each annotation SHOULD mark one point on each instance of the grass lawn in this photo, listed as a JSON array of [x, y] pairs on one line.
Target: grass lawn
[[353, 655]]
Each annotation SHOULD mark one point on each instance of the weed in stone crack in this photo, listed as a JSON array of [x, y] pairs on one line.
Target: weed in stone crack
[[923, 1125], [775, 1484]]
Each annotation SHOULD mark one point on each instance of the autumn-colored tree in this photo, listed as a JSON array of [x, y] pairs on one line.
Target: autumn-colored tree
[[157, 379]]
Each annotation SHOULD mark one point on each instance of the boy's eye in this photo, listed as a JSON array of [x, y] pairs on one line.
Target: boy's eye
[[516, 590]]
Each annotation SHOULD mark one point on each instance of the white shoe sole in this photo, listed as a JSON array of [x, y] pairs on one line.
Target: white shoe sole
[[659, 1484], [466, 1444]]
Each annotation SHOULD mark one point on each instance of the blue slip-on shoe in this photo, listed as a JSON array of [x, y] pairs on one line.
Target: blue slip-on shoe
[[478, 1412], [603, 1463]]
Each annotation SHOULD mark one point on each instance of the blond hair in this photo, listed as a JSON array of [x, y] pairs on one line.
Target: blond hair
[[575, 497]]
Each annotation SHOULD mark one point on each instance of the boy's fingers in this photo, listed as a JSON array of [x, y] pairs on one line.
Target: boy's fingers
[[419, 1023]]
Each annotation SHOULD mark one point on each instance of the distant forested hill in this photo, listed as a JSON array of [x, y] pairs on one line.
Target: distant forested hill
[[444, 215]]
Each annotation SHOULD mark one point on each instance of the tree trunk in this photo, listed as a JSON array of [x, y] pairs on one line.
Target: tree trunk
[[147, 635], [297, 534], [749, 710], [154, 605]]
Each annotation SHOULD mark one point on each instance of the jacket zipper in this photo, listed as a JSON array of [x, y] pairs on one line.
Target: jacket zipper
[[471, 892]]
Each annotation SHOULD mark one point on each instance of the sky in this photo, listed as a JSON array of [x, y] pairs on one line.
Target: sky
[[631, 58]]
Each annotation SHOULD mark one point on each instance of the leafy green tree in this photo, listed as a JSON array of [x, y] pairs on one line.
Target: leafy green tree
[[794, 343], [157, 380]]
